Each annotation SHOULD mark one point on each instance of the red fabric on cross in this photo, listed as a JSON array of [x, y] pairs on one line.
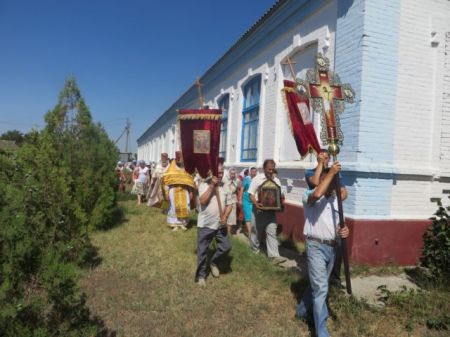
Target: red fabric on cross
[[202, 162], [304, 134]]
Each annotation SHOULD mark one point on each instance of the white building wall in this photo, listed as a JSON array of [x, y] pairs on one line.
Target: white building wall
[[422, 123], [419, 127], [302, 43]]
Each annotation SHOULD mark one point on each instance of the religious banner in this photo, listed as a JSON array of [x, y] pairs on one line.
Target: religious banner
[[300, 119], [200, 138]]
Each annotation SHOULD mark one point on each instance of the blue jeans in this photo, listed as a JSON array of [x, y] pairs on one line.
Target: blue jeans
[[320, 258]]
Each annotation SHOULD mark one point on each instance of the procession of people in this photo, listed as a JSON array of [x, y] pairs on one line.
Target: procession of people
[[227, 202]]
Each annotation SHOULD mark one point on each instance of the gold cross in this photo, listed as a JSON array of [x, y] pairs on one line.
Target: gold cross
[[200, 95], [291, 68]]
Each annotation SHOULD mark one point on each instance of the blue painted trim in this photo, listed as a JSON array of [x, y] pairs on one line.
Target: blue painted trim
[[247, 110], [222, 102]]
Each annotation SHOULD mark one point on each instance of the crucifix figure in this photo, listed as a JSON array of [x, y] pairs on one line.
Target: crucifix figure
[[327, 93]]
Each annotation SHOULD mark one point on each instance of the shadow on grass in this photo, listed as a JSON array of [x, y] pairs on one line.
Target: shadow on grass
[[125, 196], [423, 278], [224, 262], [91, 257], [289, 244], [297, 289], [89, 320]]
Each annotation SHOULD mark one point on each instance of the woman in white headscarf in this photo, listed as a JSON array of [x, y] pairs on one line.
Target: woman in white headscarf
[[140, 177]]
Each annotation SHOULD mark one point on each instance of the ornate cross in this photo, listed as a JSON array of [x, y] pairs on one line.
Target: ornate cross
[[327, 93], [328, 96]]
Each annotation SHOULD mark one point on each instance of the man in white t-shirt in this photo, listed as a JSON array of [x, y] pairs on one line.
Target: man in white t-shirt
[[321, 232], [263, 220], [211, 224]]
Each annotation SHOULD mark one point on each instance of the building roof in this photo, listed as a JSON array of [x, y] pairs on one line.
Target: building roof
[[8, 145]]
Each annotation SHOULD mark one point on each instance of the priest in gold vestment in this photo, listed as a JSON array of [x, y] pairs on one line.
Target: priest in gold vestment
[[179, 190]]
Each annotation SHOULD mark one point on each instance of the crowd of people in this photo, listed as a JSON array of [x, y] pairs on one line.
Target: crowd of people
[[232, 202]]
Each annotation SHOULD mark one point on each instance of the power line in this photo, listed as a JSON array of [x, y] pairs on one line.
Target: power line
[[15, 123]]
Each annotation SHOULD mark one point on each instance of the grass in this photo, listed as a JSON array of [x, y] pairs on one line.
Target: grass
[[145, 287]]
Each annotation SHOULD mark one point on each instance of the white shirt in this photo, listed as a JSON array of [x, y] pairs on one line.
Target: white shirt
[[143, 174], [160, 170], [321, 218], [231, 186], [209, 214], [258, 181]]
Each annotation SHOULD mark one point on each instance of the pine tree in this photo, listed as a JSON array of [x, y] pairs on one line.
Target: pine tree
[[52, 191]]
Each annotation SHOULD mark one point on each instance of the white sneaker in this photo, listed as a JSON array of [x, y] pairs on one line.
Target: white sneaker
[[214, 270], [201, 282], [278, 259]]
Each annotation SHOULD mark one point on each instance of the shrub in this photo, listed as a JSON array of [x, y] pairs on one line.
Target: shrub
[[57, 186], [436, 249]]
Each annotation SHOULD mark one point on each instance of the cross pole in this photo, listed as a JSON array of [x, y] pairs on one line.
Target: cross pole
[[291, 68], [328, 93], [200, 94]]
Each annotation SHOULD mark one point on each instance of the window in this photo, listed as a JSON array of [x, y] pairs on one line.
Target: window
[[250, 119], [224, 105]]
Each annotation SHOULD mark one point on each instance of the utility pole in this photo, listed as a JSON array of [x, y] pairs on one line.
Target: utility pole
[[127, 129]]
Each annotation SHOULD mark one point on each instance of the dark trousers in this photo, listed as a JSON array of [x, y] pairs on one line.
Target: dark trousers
[[205, 236], [335, 276]]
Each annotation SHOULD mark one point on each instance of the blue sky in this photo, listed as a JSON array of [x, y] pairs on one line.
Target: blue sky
[[130, 58]]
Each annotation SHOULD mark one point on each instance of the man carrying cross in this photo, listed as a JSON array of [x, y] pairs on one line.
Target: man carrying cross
[[321, 231], [212, 225]]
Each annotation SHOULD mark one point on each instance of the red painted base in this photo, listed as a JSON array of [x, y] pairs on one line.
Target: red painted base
[[372, 242]]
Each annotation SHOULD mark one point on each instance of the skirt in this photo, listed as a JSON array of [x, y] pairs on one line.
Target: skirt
[[138, 188]]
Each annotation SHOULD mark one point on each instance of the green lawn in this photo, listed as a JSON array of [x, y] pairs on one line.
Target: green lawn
[[145, 287]]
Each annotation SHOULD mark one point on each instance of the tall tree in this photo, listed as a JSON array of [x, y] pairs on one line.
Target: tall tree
[[14, 135], [52, 191]]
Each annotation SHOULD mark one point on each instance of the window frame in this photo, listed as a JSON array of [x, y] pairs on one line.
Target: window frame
[[224, 100], [246, 125]]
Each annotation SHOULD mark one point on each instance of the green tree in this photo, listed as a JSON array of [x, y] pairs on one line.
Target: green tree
[[89, 154], [52, 191]]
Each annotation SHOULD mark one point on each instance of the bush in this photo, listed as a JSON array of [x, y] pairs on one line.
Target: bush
[[436, 249], [53, 190]]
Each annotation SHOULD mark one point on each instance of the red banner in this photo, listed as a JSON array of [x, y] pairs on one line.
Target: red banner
[[300, 120], [200, 138]]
